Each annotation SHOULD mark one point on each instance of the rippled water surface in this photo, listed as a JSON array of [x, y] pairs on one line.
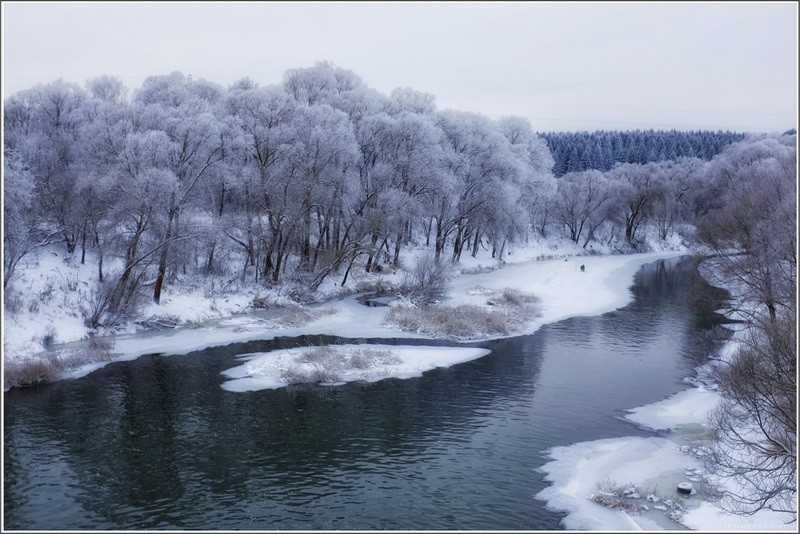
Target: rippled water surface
[[157, 443]]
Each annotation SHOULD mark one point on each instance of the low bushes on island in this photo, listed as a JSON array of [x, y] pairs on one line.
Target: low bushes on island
[[329, 364]]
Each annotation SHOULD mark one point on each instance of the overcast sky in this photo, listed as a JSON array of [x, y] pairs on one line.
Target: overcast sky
[[564, 66]]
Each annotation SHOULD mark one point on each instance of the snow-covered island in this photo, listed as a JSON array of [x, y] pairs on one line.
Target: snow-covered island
[[341, 363]]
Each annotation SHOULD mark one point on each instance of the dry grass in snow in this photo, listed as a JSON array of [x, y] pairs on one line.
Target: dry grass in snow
[[44, 369], [629, 498], [505, 312], [294, 316], [328, 363]]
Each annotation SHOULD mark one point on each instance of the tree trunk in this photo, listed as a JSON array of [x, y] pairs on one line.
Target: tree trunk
[[476, 242], [428, 228], [457, 243], [83, 245], [373, 242], [70, 241], [162, 260], [397, 245], [439, 241], [100, 263], [210, 262], [502, 248], [347, 272]]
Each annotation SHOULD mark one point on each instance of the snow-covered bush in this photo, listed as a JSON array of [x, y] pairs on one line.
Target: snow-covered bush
[[312, 374], [426, 280], [328, 363], [618, 497], [505, 312], [49, 337], [629, 498], [41, 370], [261, 302], [510, 296], [366, 358], [294, 316], [110, 302], [465, 321], [28, 373], [12, 301]]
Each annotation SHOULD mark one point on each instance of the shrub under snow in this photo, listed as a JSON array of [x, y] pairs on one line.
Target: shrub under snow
[[328, 363], [41, 370], [294, 316], [628, 498], [426, 281]]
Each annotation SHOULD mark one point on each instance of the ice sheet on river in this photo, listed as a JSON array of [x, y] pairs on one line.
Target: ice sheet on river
[[655, 463]]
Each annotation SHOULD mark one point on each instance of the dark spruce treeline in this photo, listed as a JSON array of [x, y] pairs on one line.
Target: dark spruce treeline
[[601, 150]]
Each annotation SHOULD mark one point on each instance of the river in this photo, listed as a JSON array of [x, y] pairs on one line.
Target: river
[[156, 443]]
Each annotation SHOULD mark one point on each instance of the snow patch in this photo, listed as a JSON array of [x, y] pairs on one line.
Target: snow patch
[[687, 407]]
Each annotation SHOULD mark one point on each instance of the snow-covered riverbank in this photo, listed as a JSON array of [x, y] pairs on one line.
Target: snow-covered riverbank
[[654, 465], [46, 301], [565, 291]]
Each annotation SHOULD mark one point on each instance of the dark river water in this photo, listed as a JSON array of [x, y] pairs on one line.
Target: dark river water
[[156, 443]]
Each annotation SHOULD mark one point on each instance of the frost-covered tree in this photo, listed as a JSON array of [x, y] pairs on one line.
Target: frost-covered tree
[[477, 156], [639, 188], [535, 182], [176, 89], [321, 158], [263, 116], [413, 101], [584, 202], [748, 236], [401, 156], [107, 89], [196, 146], [23, 232], [42, 126], [315, 84], [750, 232], [679, 179]]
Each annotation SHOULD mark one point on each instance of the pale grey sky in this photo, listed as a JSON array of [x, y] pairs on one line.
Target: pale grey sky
[[564, 66]]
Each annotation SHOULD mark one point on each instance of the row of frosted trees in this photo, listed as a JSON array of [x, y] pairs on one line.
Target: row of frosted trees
[[302, 180]]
